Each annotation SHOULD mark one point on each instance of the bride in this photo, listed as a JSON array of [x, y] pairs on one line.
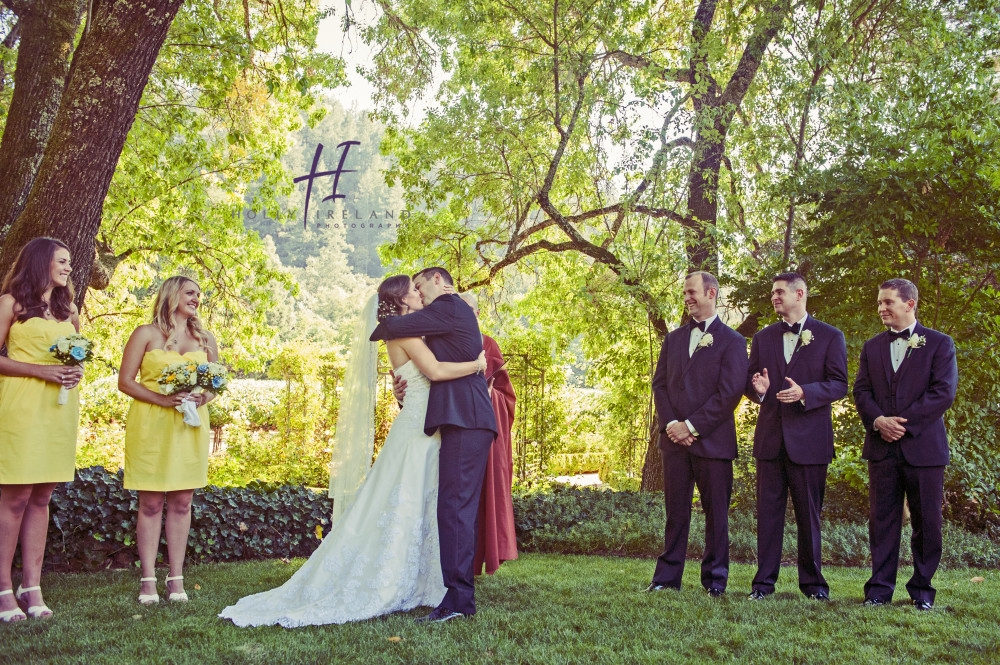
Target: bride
[[382, 552]]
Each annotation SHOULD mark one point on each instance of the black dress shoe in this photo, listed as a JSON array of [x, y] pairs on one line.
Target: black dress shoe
[[716, 592], [875, 602], [660, 587], [757, 594], [439, 615], [821, 596], [923, 605]]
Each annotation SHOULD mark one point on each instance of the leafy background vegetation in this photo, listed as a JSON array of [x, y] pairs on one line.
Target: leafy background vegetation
[[565, 172]]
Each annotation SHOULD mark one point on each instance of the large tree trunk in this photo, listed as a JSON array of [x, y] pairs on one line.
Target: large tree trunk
[[109, 73], [703, 197], [652, 468], [47, 29]]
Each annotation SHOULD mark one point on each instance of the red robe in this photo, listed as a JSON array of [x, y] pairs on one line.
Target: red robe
[[495, 539]]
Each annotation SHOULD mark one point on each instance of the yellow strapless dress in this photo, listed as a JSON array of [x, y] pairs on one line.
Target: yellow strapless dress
[[162, 454], [37, 435]]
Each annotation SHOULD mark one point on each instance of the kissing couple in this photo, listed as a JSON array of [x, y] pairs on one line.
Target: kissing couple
[[404, 534]]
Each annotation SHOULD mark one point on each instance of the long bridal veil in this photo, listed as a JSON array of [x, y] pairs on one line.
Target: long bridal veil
[[354, 439]]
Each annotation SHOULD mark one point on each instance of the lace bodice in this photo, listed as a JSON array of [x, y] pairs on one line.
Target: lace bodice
[[418, 388]]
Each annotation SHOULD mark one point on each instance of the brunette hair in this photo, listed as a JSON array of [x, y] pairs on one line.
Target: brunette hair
[[428, 273], [31, 275], [793, 279], [391, 293], [906, 289], [708, 280], [167, 300]]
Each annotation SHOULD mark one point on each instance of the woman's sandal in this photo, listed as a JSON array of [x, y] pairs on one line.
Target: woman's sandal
[[148, 598], [10, 616], [178, 596], [34, 611]]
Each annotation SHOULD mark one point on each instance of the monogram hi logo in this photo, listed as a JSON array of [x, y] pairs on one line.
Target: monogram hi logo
[[313, 175]]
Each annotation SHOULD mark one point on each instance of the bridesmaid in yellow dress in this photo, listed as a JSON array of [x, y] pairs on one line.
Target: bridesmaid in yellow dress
[[165, 459], [37, 435]]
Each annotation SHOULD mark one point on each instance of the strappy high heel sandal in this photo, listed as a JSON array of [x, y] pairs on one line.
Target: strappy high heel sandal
[[34, 611], [11, 616], [178, 596], [148, 598]]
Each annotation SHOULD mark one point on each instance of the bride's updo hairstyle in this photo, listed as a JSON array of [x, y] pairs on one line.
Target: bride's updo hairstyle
[[391, 293]]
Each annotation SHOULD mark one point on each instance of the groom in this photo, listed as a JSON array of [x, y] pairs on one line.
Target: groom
[[462, 410]]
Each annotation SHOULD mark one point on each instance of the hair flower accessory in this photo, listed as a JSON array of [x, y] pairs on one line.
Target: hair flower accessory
[[705, 341], [805, 337]]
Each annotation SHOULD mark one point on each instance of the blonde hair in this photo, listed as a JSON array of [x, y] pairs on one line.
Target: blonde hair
[[167, 300]]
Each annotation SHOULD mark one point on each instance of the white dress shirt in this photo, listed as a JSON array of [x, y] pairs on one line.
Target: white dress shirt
[[791, 340], [697, 334], [899, 347]]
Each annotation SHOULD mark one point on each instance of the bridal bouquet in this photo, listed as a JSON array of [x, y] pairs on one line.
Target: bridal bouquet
[[213, 376], [179, 377], [72, 349]]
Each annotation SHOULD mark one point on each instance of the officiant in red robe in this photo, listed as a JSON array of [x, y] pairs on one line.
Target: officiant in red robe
[[495, 540]]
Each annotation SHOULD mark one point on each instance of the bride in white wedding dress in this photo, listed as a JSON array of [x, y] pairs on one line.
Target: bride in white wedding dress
[[382, 552]]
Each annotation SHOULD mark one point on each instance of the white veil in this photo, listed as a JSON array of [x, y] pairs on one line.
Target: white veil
[[355, 436]]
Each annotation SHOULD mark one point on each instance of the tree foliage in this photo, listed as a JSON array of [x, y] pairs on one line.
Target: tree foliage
[[590, 135], [226, 84]]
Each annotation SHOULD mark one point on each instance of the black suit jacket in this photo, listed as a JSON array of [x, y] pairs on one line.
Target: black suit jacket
[[820, 368], [451, 332], [921, 390], [704, 388]]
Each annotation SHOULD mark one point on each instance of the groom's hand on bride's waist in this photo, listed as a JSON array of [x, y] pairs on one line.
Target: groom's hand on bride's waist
[[398, 388]]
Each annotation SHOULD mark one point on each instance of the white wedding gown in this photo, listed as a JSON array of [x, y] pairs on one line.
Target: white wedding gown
[[383, 554]]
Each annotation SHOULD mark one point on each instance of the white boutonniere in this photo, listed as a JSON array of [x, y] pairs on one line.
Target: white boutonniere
[[806, 337], [916, 341], [705, 341]]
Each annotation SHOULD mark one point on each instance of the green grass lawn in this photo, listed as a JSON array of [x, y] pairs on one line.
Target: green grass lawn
[[543, 608]]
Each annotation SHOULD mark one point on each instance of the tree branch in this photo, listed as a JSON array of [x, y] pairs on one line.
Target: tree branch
[[753, 54], [675, 74]]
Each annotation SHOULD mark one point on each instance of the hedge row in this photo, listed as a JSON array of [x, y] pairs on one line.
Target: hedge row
[[93, 526], [93, 517]]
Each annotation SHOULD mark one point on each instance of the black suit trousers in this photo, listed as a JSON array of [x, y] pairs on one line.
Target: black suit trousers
[[807, 484], [890, 481], [463, 457], [682, 471]]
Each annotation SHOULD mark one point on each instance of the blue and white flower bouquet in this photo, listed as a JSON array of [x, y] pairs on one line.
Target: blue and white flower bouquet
[[72, 349]]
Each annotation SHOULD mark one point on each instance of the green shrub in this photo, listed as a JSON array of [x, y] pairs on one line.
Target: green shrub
[[93, 525], [264, 456], [102, 402], [569, 520], [248, 404], [92, 522]]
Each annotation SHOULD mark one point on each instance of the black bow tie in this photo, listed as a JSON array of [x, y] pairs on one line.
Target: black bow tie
[[902, 334], [700, 325], [791, 328]]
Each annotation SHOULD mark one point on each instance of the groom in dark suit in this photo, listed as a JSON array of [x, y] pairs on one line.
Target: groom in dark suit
[[906, 381], [798, 368], [462, 410], [696, 387]]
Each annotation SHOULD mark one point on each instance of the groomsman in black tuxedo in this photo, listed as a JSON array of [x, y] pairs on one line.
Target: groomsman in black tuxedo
[[906, 381], [798, 368], [696, 387]]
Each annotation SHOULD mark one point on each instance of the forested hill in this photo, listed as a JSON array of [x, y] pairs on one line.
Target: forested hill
[[333, 254]]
